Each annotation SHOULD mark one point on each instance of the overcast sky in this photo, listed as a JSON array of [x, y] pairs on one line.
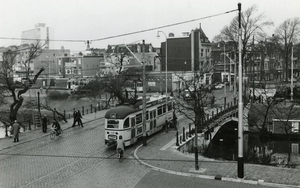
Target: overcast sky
[[96, 19]]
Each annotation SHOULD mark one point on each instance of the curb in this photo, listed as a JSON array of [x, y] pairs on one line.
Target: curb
[[217, 177]]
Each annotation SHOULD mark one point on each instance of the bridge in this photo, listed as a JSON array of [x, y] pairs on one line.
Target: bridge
[[217, 119]]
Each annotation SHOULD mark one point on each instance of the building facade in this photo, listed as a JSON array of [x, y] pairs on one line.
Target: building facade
[[39, 33]]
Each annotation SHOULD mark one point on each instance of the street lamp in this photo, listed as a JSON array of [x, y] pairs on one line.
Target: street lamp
[[166, 122], [48, 70], [224, 72], [292, 72]]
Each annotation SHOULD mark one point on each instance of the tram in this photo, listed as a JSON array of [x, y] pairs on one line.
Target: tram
[[127, 120]]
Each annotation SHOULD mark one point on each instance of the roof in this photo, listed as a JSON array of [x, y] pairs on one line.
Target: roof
[[120, 112]]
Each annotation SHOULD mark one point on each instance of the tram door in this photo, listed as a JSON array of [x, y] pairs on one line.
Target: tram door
[[152, 119], [133, 128]]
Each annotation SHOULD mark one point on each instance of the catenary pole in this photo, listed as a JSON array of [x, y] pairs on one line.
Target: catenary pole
[[240, 106]]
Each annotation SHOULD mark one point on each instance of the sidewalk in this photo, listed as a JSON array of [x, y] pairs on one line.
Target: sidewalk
[[161, 154], [33, 134]]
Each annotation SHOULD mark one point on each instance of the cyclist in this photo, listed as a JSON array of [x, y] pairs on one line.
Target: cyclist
[[120, 145], [57, 127]]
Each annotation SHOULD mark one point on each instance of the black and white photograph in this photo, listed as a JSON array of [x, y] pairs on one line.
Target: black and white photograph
[[149, 94]]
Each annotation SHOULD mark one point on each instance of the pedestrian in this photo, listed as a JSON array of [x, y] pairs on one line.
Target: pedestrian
[[44, 123], [79, 117], [174, 120], [16, 129], [74, 118]]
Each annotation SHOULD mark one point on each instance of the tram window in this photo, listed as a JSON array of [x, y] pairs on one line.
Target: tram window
[[169, 106], [164, 108], [138, 119], [126, 123], [132, 122], [159, 110], [147, 115], [113, 124]]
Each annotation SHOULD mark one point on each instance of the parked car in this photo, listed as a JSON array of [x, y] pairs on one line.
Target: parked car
[[219, 86]]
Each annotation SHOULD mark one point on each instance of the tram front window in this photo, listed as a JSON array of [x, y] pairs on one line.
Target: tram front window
[[113, 124]]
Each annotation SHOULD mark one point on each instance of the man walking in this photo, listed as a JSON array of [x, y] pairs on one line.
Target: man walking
[[75, 117], [16, 128], [79, 118], [44, 123]]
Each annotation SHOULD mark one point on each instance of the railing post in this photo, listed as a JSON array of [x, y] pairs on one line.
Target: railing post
[[177, 144], [183, 134], [180, 139]]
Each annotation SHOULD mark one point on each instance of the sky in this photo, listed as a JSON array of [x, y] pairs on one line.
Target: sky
[[98, 19]]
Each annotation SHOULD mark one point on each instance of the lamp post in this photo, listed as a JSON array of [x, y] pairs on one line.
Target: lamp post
[[224, 73], [48, 70], [166, 121], [292, 72]]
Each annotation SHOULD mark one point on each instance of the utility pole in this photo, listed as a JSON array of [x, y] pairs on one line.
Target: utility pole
[[240, 105], [253, 69], [144, 97], [292, 72]]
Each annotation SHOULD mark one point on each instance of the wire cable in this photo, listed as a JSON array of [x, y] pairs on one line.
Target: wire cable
[[125, 34]]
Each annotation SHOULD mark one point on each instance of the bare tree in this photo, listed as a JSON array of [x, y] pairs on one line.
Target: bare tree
[[114, 83], [285, 35], [11, 88], [198, 95], [251, 25]]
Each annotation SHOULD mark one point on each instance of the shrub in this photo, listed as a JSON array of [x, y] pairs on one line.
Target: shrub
[[55, 95]]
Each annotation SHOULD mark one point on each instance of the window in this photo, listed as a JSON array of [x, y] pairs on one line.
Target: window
[[59, 62], [147, 115], [113, 124], [126, 123], [164, 108], [170, 106], [138, 119], [79, 61], [132, 122], [159, 110], [295, 127]]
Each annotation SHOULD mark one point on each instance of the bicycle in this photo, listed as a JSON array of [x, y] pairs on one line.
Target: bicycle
[[53, 134], [120, 155]]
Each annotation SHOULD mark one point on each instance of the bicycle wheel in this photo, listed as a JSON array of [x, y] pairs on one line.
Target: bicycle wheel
[[52, 135]]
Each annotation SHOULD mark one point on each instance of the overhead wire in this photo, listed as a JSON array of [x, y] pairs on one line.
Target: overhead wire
[[124, 34]]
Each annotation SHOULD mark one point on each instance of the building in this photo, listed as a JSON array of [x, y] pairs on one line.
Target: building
[[79, 66], [187, 54], [48, 60], [39, 33]]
